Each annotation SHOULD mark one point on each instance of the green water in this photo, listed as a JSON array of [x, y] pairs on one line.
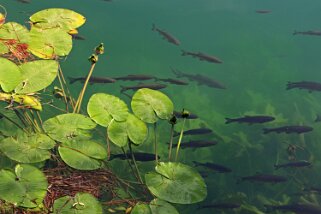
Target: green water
[[259, 55]]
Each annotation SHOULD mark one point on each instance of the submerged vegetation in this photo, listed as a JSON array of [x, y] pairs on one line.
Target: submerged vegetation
[[60, 164]]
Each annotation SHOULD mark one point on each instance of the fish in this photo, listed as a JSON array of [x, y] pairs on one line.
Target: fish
[[92, 79], [222, 205], [77, 37], [265, 178], [202, 56], [302, 163], [173, 81], [200, 79], [139, 156], [135, 77], [308, 85], [298, 208], [288, 129], [250, 119], [197, 131], [190, 116], [263, 11], [196, 144], [154, 86], [309, 32], [312, 190], [167, 36], [24, 1], [216, 167], [318, 118]]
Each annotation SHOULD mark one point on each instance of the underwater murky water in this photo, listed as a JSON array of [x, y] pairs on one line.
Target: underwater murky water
[[239, 57]]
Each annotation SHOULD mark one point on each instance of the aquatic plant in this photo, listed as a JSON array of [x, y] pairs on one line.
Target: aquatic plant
[[58, 165]]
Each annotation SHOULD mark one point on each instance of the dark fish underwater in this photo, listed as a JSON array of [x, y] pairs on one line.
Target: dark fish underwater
[[202, 56], [197, 131], [92, 80], [298, 208], [223, 205], [288, 129], [309, 32], [294, 164], [265, 178], [170, 38], [154, 86], [215, 167], [139, 156], [173, 81], [190, 116], [196, 144], [307, 85], [250, 119], [135, 77]]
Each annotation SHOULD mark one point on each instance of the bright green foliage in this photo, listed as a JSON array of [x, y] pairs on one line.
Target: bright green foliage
[[25, 187], [141, 208], [132, 129], [82, 203], [69, 126], [37, 75], [10, 75], [176, 183], [26, 148], [158, 206], [103, 108], [15, 31], [149, 105], [57, 17], [82, 154], [48, 43]]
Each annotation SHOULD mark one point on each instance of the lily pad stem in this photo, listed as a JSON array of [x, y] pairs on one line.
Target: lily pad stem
[[180, 139], [171, 143], [130, 165], [155, 142], [133, 157]]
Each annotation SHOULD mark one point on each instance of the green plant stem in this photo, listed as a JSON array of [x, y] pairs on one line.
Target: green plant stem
[[133, 157], [31, 121], [63, 90], [180, 140], [155, 142], [130, 165], [171, 143], [81, 95], [22, 119]]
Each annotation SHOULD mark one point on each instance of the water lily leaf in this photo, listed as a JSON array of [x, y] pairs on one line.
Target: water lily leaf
[[133, 129], [57, 17], [82, 155], [141, 208], [12, 31], [37, 75], [69, 126], [10, 75], [176, 183], [81, 203], [102, 108], [25, 187], [149, 105], [49, 43], [158, 206], [27, 148]]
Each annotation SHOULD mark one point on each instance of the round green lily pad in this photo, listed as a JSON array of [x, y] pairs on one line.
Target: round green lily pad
[[149, 105], [10, 75], [158, 206], [141, 208], [176, 183], [102, 108], [66, 127]]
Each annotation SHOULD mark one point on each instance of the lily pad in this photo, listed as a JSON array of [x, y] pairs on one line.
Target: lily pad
[[37, 75], [12, 31], [69, 126], [141, 208], [82, 155], [158, 206], [81, 203], [102, 108], [27, 148], [49, 43], [176, 183], [149, 105], [10, 75], [57, 17], [133, 129], [25, 187]]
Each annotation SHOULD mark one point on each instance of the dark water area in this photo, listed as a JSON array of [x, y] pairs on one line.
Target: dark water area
[[259, 55]]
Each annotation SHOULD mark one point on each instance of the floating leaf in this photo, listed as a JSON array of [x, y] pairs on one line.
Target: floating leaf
[[158, 206], [102, 108], [26, 187], [57, 17], [69, 126], [176, 183], [10, 75], [12, 31], [82, 155], [133, 129], [141, 208], [27, 148], [37, 75], [49, 43], [149, 105]]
